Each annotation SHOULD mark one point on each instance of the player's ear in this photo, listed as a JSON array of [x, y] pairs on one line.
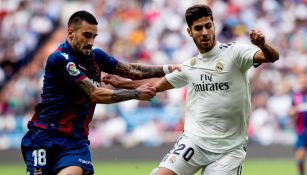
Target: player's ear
[[189, 31], [70, 32]]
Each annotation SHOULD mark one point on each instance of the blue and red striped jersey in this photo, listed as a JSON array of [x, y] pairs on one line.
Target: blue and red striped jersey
[[65, 107], [299, 99]]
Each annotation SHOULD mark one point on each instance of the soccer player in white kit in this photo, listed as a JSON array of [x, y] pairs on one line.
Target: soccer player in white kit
[[218, 101]]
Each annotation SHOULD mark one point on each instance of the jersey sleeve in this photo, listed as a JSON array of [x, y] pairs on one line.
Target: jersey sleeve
[[106, 62], [244, 55], [66, 68], [177, 78]]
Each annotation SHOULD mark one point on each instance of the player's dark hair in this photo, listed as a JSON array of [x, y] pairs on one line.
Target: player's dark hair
[[197, 11], [80, 16]]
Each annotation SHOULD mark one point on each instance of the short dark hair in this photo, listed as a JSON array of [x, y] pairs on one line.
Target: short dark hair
[[197, 11], [80, 16]]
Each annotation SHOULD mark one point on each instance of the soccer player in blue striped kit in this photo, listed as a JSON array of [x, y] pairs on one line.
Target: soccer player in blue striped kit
[[298, 114], [57, 140], [217, 101]]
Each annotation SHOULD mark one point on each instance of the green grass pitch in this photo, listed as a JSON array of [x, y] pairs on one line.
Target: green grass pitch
[[250, 167]]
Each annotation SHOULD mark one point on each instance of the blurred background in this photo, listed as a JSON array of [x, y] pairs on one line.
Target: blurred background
[[151, 32]]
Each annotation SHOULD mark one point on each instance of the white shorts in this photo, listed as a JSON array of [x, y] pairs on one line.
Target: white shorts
[[186, 158]]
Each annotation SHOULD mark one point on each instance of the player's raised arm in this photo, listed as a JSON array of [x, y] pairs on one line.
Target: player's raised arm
[[138, 71], [267, 53], [103, 95]]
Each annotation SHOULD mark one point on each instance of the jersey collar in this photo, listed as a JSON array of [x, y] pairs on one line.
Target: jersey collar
[[211, 53], [68, 48]]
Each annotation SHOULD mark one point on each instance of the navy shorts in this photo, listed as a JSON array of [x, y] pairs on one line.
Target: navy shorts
[[47, 152], [301, 141]]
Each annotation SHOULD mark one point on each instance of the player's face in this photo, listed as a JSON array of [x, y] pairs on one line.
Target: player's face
[[82, 37], [203, 33]]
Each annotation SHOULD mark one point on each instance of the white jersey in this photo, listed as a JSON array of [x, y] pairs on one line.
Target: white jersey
[[218, 99]]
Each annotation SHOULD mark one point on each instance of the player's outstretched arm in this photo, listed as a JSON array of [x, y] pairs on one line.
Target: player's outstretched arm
[[267, 53], [161, 84], [136, 71], [106, 96], [125, 83]]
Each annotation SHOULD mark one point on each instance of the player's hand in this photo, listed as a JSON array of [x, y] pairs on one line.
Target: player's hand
[[257, 38], [173, 67], [114, 80], [147, 92]]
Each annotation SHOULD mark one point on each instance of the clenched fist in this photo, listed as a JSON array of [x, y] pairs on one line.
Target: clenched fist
[[257, 38]]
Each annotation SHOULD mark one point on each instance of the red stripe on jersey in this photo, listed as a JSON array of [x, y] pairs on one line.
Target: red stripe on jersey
[[298, 99], [80, 78], [88, 120], [86, 123], [34, 118], [58, 49], [39, 125], [65, 124]]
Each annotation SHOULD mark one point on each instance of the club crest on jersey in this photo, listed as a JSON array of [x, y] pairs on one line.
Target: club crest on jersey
[[193, 62], [72, 69], [219, 66]]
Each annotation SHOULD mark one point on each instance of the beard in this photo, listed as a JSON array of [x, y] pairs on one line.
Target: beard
[[206, 48]]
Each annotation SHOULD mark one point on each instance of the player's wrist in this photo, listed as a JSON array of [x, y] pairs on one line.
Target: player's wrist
[[124, 95], [135, 93], [165, 69]]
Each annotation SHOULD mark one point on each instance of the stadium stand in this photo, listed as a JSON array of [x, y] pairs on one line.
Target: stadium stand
[[151, 32]]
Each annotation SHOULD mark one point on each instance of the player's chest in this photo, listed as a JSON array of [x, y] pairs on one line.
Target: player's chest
[[217, 70], [91, 70]]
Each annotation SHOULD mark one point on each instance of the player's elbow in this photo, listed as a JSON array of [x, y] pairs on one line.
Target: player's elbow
[[275, 58], [100, 100], [101, 95], [93, 98]]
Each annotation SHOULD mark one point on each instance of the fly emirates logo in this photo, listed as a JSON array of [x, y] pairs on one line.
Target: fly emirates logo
[[207, 84]]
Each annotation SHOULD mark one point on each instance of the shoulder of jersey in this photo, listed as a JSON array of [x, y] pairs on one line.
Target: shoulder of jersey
[[60, 54], [228, 45], [96, 49]]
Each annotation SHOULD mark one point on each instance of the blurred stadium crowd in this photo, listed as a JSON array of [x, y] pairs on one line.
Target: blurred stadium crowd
[[152, 32]]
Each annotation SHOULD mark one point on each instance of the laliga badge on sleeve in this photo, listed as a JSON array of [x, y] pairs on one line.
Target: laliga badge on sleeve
[[193, 62], [72, 69]]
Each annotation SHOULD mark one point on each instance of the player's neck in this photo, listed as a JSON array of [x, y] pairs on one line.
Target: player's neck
[[208, 50], [78, 55]]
